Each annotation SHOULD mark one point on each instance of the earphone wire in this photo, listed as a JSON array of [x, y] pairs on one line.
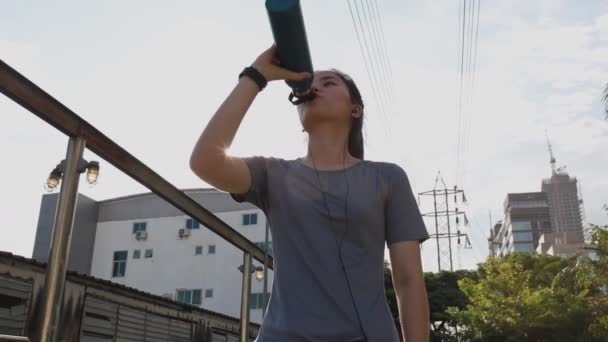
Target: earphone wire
[[339, 243]]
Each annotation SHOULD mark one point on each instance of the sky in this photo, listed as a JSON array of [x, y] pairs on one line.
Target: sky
[[151, 74]]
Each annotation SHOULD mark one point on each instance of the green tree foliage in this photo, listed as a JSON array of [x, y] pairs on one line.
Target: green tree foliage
[[530, 297], [510, 302], [591, 275], [443, 292], [520, 297]]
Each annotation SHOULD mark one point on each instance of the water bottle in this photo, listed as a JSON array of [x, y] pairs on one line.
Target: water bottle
[[287, 24]]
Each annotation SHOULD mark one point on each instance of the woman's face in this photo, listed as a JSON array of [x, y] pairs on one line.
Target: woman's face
[[333, 101]]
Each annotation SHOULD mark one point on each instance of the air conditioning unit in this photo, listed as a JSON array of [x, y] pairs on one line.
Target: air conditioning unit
[[141, 235], [183, 232]]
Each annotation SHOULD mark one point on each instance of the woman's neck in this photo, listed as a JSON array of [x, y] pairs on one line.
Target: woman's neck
[[328, 149]]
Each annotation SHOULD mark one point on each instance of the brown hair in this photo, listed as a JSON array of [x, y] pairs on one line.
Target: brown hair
[[355, 136]]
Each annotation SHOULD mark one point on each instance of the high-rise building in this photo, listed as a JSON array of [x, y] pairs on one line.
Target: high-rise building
[[493, 242], [565, 205], [548, 222], [527, 217]]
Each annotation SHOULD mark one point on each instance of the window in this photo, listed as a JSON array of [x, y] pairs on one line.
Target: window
[[197, 297], [209, 293], [529, 204], [198, 250], [139, 227], [119, 267], [523, 247], [521, 225], [257, 300], [211, 249], [192, 224], [136, 254], [193, 297], [184, 296], [250, 219], [522, 236], [148, 253]]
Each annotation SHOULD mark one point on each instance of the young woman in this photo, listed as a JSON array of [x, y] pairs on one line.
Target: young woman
[[331, 214]]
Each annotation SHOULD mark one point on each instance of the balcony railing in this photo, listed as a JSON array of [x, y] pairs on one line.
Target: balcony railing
[[84, 135]]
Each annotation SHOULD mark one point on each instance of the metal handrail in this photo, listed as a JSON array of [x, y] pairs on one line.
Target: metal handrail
[[11, 338], [27, 94]]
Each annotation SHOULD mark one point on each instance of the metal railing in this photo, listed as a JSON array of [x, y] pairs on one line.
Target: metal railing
[[10, 338], [84, 135]]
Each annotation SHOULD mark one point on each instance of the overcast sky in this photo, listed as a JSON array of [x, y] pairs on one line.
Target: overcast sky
[[150, 74]]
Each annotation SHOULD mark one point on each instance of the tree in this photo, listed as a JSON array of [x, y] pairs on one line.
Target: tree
[[592, 276], [443, 292], [517, 299]]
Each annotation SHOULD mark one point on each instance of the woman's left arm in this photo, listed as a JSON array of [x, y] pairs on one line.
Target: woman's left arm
[[410, 290]]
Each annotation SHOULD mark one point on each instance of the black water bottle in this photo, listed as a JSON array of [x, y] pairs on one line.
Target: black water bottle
[[287, 24]]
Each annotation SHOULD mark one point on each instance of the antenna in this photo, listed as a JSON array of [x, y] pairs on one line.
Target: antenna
[[553, 167]]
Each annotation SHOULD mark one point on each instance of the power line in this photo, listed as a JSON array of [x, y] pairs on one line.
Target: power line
[[461, 81], [466, 92], [468, 64], [367, 69], [367, 47], [383, 41], [371, 69], [379, 51], [381, 59], [472, 91]]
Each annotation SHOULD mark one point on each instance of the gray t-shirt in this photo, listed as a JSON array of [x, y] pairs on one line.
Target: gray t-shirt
[[370, 204]]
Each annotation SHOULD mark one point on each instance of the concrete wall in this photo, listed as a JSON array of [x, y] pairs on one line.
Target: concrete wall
[[174, 264], [83, 232]]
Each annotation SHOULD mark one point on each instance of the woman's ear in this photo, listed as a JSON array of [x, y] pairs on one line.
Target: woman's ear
[[357, 111]]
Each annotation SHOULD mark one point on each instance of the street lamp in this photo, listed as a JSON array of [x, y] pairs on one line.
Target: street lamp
[[259, 272], [55, 176]]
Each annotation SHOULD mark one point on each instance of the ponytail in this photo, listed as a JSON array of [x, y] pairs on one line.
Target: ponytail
[[355, 136]]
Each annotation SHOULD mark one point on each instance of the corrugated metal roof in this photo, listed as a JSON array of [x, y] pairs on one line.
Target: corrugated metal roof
[[79, 277]]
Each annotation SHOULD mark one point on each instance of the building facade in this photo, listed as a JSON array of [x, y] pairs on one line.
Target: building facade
[[565, 205], [547, 222], [144, 242], [527, 217]]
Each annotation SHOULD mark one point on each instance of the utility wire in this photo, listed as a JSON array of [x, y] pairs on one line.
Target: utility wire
[[472, 90], [460, 93], [383, 41], [367, 69], [379, 51], [367, 49]]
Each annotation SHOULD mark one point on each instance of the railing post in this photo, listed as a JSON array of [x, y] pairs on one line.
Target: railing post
[[54, 282], [245, 295], [265, 295]]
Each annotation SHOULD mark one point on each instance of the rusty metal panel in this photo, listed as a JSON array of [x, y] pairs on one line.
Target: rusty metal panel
[[180, 331], [217, 336], [131, 325], [14, 303], [157, 328], [98, 321]]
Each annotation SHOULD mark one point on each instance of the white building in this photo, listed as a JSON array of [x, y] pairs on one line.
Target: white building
[[141, 241]]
